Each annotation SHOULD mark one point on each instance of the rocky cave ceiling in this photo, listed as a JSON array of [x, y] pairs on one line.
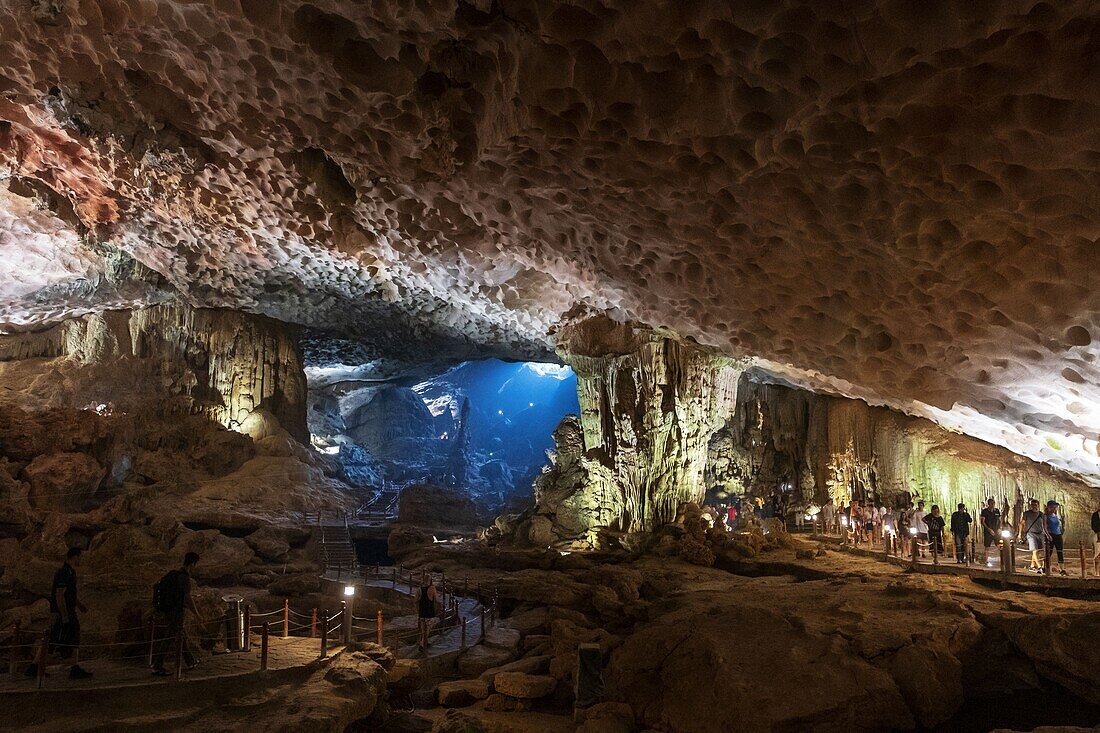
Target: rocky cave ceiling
[[887, 199]]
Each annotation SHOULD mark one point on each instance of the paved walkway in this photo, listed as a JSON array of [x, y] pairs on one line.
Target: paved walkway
[[984, 568], [111, 673], [443, 641]]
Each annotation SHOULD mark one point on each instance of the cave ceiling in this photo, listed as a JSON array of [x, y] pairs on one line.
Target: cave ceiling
[[891, 200]]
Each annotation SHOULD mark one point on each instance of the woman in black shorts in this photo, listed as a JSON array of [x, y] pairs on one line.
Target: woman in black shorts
[[425, 608]]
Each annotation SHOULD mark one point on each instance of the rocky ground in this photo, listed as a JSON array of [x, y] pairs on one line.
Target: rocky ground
[[790, 638], [756, 633]]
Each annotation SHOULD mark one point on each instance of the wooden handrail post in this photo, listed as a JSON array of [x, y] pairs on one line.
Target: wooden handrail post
[[463, 646], [152, 638], [286, 618], [466, 586], [247, 627], [263, 647], [345, 620], [313, 625], [16, 639], [324, 633], [482, 638], [380, 627], [179, 654], [1006, 562], [1081, 550], [40, 657]]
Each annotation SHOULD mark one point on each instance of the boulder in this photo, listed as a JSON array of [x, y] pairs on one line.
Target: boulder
[[296, 584], [405, 677], [460, 693], [522, 685], [456, 722], [62, 481], [220, 557], [529, 665], [269, 543], [436, 506], [479, 658], [499, 703], [528, 622], [606, 717], [502, 637]]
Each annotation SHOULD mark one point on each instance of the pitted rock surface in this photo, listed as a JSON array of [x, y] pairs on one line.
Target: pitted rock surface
[[887, 200]]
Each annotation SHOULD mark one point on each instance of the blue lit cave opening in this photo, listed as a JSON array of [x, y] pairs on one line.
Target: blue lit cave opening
[[480, 429]]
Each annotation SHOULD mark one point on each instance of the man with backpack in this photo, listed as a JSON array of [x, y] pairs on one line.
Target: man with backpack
[[171, 601]]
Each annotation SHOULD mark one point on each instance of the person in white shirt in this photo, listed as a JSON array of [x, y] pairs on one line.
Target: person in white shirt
[[916, 521]]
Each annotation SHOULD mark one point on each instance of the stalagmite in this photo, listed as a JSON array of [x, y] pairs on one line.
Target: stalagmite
[[649, 404]]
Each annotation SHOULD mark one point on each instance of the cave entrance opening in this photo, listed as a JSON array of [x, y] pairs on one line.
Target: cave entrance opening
[[470, 438]]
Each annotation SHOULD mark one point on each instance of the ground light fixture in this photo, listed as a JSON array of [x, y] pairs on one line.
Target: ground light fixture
[[913, 531], [349, 590], [1006, 533]]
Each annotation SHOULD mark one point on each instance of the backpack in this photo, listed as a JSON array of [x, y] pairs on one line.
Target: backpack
[[168, 593]]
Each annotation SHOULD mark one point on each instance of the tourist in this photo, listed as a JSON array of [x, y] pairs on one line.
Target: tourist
[[842, 516], [171, 600], [1033, 527], [889, 527], [828, 512], [870, 520], [64, 625], [855, 521], [960, 532], [1095, 522], [935, 524], [991, 525], [731, 517], [916, 521], [425, 608], [1055, 530]]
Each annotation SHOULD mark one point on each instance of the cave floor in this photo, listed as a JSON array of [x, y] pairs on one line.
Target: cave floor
[[113, 672]]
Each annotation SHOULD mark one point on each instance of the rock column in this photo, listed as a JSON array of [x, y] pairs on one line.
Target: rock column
[[649, 405]]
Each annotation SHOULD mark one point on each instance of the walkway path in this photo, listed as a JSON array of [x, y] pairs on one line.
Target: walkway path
[[400, 633], [983, 568], [112, 673]]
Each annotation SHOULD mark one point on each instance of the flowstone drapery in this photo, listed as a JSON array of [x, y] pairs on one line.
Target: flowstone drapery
[[170, 358], [649, 404]]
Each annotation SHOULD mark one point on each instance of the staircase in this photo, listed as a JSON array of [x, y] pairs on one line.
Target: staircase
[[337, 550]]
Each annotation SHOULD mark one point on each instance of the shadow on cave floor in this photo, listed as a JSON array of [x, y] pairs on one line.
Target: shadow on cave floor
[[757, 568], [1049, 705]]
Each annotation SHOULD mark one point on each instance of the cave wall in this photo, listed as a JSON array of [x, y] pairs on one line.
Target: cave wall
[[824, 446], [167, 359]]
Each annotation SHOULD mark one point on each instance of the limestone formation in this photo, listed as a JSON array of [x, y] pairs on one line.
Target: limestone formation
[[224, 364], [814, 447], [649, 405]]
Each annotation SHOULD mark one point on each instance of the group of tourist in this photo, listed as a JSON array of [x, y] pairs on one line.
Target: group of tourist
[[171, 600], [1042, 529]]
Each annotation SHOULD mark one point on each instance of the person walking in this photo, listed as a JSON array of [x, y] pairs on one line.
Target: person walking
[[171, 600], [1054, 544], [1033, 527], [889, 528], [935, 524], [991, 526], [960, 532], [916, 521], [64, 634], [425, 608], [828, 512]]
